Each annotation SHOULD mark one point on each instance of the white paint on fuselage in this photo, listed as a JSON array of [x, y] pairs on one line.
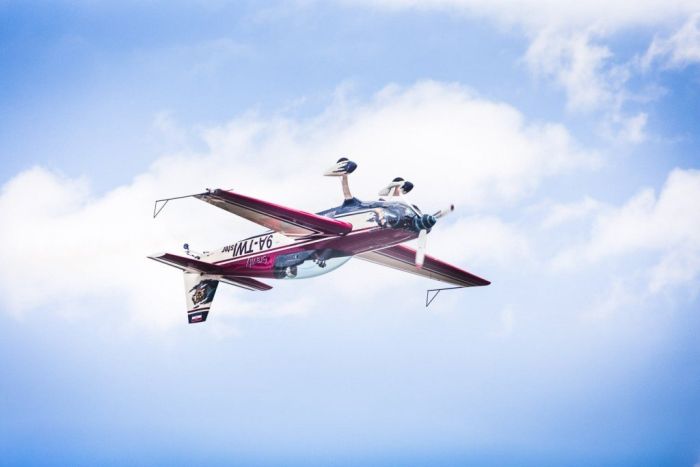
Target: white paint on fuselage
[[259, 244]]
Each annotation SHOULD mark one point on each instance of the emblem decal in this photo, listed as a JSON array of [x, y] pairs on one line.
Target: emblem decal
[[203, 292]]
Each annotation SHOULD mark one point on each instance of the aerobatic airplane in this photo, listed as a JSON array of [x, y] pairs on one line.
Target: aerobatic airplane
[[300, 244]]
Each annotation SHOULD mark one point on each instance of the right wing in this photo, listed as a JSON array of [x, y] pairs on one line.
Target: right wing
[[403, 258], [287, 221]]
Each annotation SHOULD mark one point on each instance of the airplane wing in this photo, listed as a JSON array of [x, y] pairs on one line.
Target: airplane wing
[[403, 258], [290, 222]]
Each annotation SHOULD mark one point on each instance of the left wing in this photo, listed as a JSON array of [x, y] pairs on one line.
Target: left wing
[[288, 221], [403, 258]]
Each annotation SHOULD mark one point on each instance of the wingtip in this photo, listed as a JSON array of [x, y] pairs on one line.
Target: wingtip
[[480, 281]]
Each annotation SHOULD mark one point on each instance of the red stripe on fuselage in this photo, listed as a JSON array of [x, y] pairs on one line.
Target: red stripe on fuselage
[[309, 241], [351, 244]]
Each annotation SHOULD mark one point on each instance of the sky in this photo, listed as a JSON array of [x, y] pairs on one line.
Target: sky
[[565, 133]]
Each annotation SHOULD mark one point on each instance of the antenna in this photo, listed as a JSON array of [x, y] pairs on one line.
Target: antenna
[[436, 292], [160, 203]]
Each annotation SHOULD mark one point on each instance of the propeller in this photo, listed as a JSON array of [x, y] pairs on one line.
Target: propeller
[[425, 222], [444, 212], [420, 251]]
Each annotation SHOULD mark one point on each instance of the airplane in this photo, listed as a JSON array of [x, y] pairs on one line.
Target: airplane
[[300, 244]]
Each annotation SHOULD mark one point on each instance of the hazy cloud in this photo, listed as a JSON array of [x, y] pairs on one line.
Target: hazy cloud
[[667, 225], [680, 49]]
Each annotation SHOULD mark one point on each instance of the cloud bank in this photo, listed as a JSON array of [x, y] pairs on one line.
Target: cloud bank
[[66, 244], [666, 225]]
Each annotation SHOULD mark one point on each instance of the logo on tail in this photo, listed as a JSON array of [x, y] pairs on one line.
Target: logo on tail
[[203, 292]]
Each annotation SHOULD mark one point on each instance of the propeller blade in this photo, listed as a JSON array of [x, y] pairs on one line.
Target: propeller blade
[[444, 212], [420, 251]]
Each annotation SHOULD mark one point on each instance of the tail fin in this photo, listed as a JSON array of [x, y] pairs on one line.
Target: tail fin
[[199, 293]]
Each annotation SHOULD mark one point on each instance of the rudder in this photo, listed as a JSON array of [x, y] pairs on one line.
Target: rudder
[[199, 293]]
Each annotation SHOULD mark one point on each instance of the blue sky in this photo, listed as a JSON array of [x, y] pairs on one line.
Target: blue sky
[[566, 134]]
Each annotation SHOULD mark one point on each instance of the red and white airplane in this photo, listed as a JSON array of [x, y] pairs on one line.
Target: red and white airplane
[[300, 244]]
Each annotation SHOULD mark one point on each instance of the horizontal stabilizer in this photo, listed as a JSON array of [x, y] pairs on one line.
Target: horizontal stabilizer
[[193, 265], [186, 263], [247, 283]]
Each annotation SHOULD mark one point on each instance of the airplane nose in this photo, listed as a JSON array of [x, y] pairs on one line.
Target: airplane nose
[[424, 222]]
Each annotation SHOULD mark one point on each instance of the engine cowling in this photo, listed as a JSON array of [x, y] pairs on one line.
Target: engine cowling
[[424, 222]]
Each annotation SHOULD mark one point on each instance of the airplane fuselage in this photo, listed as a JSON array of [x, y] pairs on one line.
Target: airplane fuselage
[[272, 255]]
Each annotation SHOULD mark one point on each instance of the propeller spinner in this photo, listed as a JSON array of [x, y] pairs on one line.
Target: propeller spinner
[[422, 222], [425, 222]]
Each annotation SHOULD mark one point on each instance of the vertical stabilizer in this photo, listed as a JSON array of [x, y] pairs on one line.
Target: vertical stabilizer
[[199, 293]]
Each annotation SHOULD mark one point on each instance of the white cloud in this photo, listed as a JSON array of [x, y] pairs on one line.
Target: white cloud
[[593, 80], [575, 63], [631, 129], [437, 135], [562, 213], [62, 244], [650, 222], [566, 46], [480, 241], [679, 266], [536, 14], [680, 49], [667, 225], [578, 63]]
